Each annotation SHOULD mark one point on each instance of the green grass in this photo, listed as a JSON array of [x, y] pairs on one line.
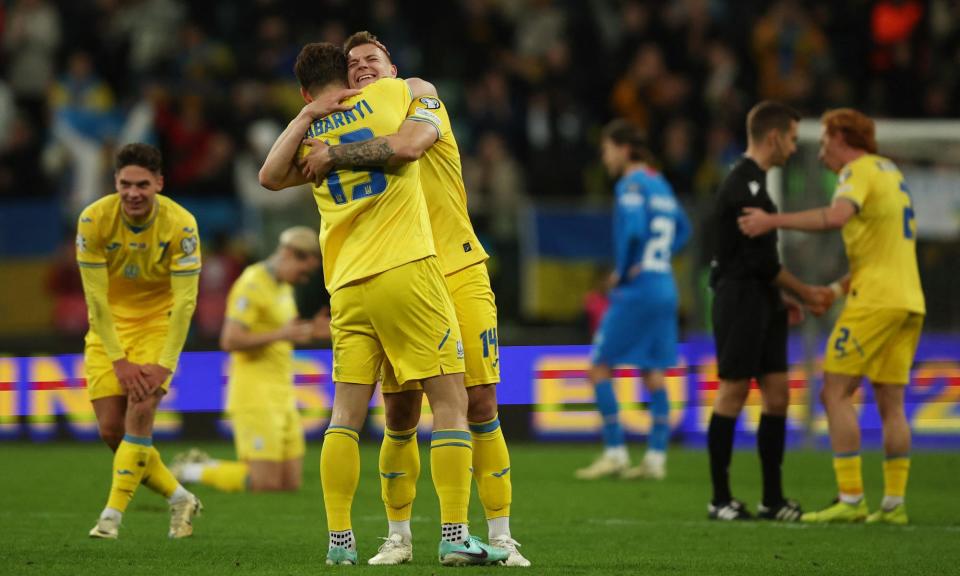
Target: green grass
[[50, 496]]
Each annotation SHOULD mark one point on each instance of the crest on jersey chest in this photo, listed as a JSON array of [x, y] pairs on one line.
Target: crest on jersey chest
[[131, 271]]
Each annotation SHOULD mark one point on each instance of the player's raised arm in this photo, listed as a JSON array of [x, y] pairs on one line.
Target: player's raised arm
[[280, 168], [417, 134], [420, 87]]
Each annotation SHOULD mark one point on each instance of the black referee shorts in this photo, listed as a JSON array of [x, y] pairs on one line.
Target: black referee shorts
[[750, 329]]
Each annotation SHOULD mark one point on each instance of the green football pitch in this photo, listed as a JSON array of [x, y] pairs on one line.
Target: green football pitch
[[50, 495]]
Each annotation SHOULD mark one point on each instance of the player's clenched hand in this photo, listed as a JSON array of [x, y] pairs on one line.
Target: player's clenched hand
[[329, 103], [154, 375], [131, 379], [755, 222], [297, 330], [316, 163]]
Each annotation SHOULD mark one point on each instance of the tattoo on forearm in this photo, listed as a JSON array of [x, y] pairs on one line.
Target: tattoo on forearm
[[373, 153]]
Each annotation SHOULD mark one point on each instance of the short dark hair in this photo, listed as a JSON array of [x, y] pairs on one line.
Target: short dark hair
[[623, 133], [363, 37], [140, 154], [770, 115], [320, 64]]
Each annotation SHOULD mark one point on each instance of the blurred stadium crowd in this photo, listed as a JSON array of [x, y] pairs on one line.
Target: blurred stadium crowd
[[529, 84]]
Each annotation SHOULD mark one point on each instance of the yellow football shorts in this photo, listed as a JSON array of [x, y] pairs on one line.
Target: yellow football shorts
[[476, 310], [874, 342], [271, 435], [142, 346], [403, 315]]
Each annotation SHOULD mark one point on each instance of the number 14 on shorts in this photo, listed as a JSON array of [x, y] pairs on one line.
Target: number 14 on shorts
[[489, 339]]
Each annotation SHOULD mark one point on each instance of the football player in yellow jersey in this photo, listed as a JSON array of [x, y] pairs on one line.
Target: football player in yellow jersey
[[387, 298], [427, 135], [259, 331], [879, 328], [139, 258]]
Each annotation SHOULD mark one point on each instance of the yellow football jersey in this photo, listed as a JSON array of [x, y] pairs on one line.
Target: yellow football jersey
[[881, 238], [261, 378], [442, 180], [371, 220], [139, 258]]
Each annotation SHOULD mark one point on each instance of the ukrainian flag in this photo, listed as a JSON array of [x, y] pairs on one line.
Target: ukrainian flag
[[566, 252]]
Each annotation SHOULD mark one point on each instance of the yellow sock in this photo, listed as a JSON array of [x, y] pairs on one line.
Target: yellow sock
[[491, 467], [226, 476], [849, 478], [339, 475], [399, 471], [451, 453], [896, 470], [158, 477], [129, 465]]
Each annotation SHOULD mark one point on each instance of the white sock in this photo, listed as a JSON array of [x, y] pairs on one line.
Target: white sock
[[891, 502], [456, 533], [179, 494], [402, 528], [111, 514], [343, 539], [655, 458], [497, 527], [618, 453], [851, 498], [191, 472]]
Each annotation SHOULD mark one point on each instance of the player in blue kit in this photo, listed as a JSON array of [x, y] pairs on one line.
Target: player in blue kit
[[640, 327]]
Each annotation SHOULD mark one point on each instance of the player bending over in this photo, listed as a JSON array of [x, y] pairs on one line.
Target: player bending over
[[139, 258]]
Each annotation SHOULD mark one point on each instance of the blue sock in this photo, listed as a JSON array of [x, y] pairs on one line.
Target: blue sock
[[610, 411], [660, 415]]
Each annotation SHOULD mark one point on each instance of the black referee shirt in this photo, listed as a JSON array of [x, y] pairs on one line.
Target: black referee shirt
[[737, 256]]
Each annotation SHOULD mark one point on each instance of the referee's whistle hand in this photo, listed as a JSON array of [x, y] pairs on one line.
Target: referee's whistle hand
[[754, 222]]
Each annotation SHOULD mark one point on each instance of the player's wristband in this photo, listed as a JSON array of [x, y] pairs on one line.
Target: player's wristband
[[837, 290]]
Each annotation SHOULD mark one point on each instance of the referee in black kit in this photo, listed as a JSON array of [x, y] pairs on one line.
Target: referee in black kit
[[751, 312]]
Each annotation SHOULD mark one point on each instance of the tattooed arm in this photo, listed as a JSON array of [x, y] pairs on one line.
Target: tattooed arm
[[407, 145]]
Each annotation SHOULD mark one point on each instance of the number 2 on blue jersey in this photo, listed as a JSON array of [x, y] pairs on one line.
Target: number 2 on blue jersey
[[656, 254], [375, 185]]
